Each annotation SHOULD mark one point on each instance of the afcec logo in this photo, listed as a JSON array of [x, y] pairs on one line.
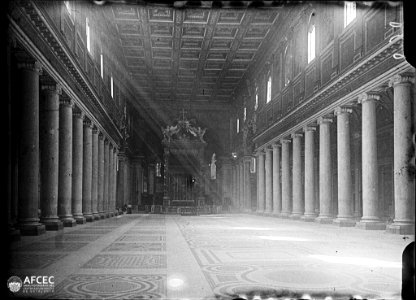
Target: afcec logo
[[14, 284], [31, 284]]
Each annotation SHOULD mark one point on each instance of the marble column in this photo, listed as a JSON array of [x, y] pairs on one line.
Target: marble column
[[28, 167], [286, 189], [65, 162], [115, 163], [121, 179], [247, 184], [87, 171], [110, 180], [309, 214], [345, 202], [277, 193], [370, 218], [297, 184], [100, 195], [77, 163], [325, 172], [238, 191], [261, 186], [269, 181], [94, 180], [106, 189], [235, 188], [404, 173], [242, 189], [49, 155]]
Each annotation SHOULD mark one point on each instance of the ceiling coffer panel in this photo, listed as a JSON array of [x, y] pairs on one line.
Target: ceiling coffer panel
[[191, 54]]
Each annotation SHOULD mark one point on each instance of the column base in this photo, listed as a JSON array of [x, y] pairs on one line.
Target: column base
[[401, 228], [308, 218], [371, 225], [96, 216], [102, 215], [13, 235], [344, 222], [53, 225], [69, 222], [89, 217], [259, 212], [32, 229], [324, 220], [284, 215], [80, 220], [276, 214], [295, 216]]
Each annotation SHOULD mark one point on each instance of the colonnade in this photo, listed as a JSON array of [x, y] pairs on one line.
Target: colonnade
[[66, 164], [285, 194]]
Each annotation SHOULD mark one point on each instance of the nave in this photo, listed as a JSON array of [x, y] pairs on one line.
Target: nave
[[222, 256]]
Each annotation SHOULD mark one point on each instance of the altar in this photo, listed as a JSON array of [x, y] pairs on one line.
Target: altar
[[184, 171]]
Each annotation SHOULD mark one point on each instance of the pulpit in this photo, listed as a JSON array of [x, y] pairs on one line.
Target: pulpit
[[184, 147]]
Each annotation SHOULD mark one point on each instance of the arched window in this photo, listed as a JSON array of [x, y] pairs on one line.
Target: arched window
[[269, 89], [102, 65], [238, 125], [311, 39], [112, 86], [256, 103], [87, 32], [349, 12], [288, 68], [245, 114]]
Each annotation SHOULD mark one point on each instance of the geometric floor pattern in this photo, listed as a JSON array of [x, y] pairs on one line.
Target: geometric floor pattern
[[146, 256]]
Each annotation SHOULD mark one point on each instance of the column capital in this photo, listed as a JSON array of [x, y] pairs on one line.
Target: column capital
[[259, 152], [276, 145], [342, 110], [368, 96], [28, 64], [404, 78], [323, 120], [87, 122], [106, 141], [100, 135], [95, 129], [309, 128], [268, 148], [77, 112], [51, 87], [110, 145], [285, 141], [115, 149], [296, 135], [65, 100]]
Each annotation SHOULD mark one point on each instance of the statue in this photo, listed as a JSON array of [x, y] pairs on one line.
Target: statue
[[213, 167]]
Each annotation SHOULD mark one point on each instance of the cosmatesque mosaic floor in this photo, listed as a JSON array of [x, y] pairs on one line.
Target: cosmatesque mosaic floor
[[146, 256]]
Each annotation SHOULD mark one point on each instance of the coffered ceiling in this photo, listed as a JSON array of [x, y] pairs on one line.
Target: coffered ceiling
[[196, 55]]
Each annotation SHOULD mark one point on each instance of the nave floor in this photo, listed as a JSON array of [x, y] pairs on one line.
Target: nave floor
[[212, 257]]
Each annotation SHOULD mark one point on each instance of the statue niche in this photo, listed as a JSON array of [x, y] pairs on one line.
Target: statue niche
[[184, 147]]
